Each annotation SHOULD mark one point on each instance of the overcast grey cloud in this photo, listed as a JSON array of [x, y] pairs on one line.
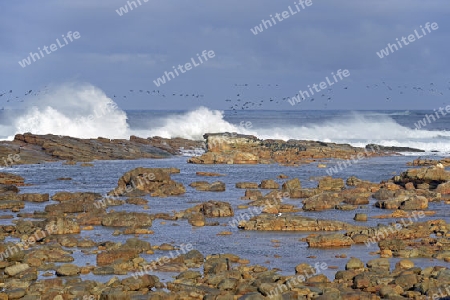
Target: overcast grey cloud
[[119, 53]]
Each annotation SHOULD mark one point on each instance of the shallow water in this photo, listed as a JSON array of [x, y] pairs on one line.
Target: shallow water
[[257, 246]]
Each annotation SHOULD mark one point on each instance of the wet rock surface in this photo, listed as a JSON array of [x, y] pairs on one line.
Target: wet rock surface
[[44, 148], [231, 148]]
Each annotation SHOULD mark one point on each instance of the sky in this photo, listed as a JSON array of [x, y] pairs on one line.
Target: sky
[[119, 53]]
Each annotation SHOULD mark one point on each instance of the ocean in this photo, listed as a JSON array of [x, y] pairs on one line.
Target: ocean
[[358, 128]]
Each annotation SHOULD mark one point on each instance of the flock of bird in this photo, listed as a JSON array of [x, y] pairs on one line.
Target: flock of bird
[[9, 97], [158, 93], [243, 94], [327, 95]]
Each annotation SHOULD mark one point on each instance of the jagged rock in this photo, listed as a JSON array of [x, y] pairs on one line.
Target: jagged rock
[[429, 175], [67, 270], [8, 188], [269, 184], [136, 201], [290, 185], [109, 257], [34, 197], [443, 188], [11, 179], [127, 219], [40, 148], [153, 181], [83, 196], [16, 269], [217, 186], [62, 225], [329, 240], [404, 202], [329, 183], [232, 148], [246, 185], [252, 195], [212, 209], [321, 201], [196, 219], [292, 222], [354, 264]]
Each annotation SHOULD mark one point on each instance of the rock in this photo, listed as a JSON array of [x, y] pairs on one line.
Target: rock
[[67, 270], [414, 203], [78, 196], [252, 296], [103, 271], [13, 205], [406, 281], [404, 264], [246, 185], [429, 175], [16, 293], [305, 269], [443, 188], [383, 194], [293, 184], [189, 275], [212, 209], [61, 225], [346, 207], [16, 269], [233, 148], [11, 179], [379, 263], [321, 202], [109, 257], [392, 148], [303, 193], [331, 184], [197, 219], [357, 201], [409, 186], [269, 184], [360, 217], [145, 281], [386, 253], [217, 186], [5, 188], [73, 206], [153, 181], [354, 264], [136, 245], [293, 222], [354, 181], [423, 186], [252, 195], [32, 197], [407, 202], [40, 148], [136, 201], [329, 240], [126, 219], [208, 174]]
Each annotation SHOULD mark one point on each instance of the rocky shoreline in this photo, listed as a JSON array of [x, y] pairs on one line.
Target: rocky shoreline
[[220, 148], [49, 236]]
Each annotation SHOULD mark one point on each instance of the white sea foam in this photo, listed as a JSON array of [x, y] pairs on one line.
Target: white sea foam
[[84, 111]]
